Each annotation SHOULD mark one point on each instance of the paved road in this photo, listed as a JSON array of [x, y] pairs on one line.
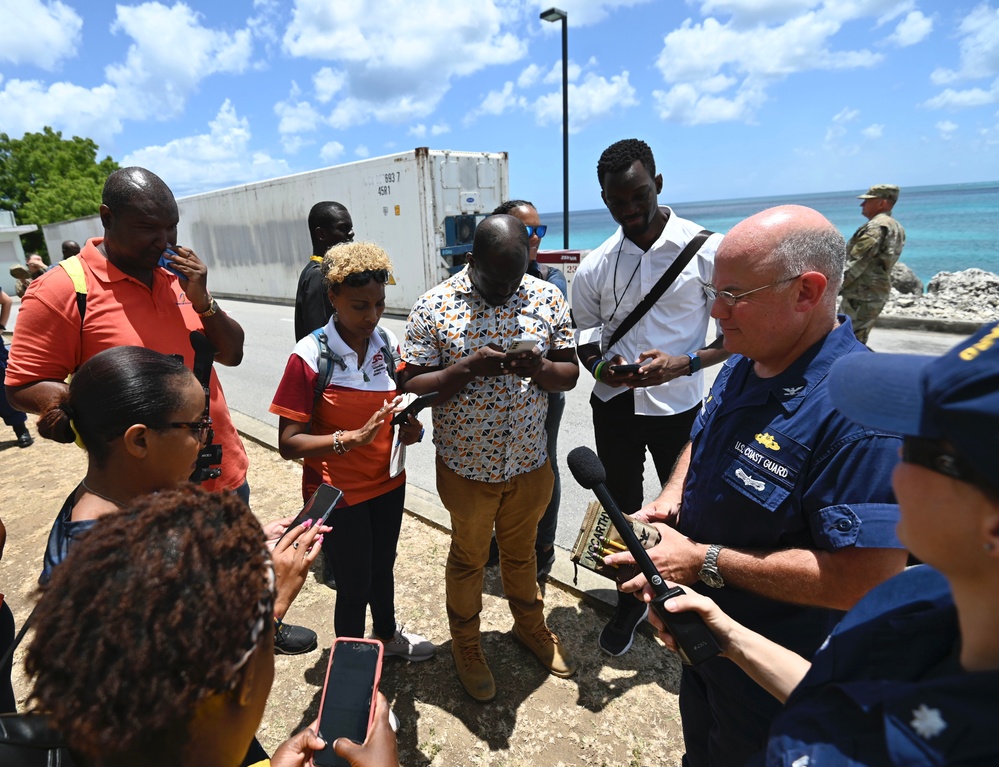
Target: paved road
[[270, 337]]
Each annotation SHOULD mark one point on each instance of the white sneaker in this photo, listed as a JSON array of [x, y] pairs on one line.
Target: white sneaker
[[408, 645]]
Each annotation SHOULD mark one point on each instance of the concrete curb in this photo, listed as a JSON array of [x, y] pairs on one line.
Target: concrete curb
[[931, 324], [427, 508]]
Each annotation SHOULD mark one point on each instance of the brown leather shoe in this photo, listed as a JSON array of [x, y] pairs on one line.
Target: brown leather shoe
[[548, 649], [473, 672]]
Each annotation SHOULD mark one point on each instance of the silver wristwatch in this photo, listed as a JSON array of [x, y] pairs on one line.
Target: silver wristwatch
[[709, 570]]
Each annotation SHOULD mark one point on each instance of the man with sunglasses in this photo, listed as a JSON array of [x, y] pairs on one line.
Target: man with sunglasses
[[779, 508]]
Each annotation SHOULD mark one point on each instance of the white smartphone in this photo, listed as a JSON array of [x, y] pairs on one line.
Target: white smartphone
[[522, 344]]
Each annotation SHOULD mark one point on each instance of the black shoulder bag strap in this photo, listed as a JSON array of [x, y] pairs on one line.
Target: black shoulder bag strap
[[664, 283]]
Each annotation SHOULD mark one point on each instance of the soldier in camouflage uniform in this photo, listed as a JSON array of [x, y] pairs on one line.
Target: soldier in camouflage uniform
[[870, 255]]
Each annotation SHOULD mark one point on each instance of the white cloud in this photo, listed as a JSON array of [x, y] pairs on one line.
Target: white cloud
[[594, 98], [581, 13], [846, 115], [971, 97], [946, 128], [362, 151], [222, 157], [914, 28], [979, 46], [38, 33], [328, 83], [29, 105], [497, 103], [440, 129], [398, 58], [555, 73], [418, 131], [874, 131], [172, 52], [718, 71], [331, 151], [296, 116], [529, 76]]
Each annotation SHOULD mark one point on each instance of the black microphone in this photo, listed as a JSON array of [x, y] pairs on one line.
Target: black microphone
[[695, 640]]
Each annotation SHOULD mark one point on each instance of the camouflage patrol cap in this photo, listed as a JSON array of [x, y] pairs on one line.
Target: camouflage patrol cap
[[884, 191]]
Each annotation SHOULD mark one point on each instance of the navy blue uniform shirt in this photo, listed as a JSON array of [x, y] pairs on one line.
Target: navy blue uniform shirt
[[775, 466], [887, 688]]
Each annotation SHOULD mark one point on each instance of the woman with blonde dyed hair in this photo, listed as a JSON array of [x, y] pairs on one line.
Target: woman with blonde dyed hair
[[335, 402]]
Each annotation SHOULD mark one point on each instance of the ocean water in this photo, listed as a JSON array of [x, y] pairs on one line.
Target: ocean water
[[947, 228]]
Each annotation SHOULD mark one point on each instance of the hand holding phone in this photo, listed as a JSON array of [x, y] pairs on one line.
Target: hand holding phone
[[522, 345], [347, 708], [318, 507], [625, 369], [414, 407]]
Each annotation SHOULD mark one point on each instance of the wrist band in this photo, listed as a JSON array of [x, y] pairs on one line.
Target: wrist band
[[338, 447], [599, 371]]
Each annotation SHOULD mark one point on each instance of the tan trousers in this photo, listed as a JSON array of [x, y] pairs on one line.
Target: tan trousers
[[514, 507]]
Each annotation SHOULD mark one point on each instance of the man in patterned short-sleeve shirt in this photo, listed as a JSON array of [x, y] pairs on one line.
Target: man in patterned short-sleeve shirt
[[489, 431]]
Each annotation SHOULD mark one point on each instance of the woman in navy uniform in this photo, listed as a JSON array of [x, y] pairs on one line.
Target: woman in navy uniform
[[911, 674]]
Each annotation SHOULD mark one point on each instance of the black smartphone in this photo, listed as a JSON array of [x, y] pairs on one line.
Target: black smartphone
[[347, 707], [318, 507], [625, 368], [414, 407]]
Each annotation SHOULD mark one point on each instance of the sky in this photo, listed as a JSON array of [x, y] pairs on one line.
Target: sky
[[738, 98]]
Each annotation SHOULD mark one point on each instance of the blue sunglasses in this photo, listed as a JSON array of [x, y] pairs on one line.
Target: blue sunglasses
[[538, 230]]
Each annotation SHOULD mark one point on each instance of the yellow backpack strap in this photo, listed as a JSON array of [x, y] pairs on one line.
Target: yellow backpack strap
[[74, 268]]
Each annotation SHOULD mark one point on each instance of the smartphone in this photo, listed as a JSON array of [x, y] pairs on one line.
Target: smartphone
[[347, 708], [166, 263], [625, 368], [318, 507], [414, 407], [521, 345]]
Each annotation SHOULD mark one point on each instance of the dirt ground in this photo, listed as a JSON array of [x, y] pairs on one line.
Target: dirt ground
[[614, 711]]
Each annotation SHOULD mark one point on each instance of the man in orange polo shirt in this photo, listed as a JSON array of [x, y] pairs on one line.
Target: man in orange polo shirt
[[130, 300]]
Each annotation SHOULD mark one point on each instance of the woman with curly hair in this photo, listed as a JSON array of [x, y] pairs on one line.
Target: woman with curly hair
[[340, 427], [153, 643]]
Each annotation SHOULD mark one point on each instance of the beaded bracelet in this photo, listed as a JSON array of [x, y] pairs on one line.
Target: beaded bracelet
[[338, 447]]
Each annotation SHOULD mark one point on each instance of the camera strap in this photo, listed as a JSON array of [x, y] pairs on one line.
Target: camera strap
[[204, 356]]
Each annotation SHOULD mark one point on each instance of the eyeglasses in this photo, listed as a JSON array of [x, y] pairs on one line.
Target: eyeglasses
[[202, 428], [936, 456], [360, 279], [541, 230], [731, 300]]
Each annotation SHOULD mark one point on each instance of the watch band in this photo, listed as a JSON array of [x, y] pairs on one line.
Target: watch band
[[709, 573], [213, 307], [695, 363]]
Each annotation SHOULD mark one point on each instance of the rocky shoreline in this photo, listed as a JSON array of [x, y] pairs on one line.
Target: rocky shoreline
[[971, 295]]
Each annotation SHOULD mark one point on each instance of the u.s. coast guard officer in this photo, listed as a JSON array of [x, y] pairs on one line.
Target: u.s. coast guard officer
[[779, 508]]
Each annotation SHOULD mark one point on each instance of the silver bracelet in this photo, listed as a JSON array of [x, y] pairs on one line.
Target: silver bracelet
[[338, 447]]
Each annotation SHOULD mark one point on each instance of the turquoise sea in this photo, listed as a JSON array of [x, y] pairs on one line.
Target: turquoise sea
[[947, 228]]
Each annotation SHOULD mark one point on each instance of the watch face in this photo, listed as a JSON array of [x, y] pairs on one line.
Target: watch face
[[712, 578]]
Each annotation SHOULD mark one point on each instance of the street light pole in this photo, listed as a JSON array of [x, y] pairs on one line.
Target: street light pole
[[554, 14]]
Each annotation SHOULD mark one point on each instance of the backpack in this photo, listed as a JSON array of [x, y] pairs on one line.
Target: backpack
[[327, 358]]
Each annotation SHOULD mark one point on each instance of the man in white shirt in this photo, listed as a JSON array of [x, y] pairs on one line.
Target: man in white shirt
[[654, 406]]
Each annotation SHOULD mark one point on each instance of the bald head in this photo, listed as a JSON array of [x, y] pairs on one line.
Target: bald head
[[70, 248], [499, 258], [795, 240], [134, 186]]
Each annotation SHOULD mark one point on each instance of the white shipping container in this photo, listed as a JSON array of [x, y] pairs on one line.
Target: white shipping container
[[421, 206]]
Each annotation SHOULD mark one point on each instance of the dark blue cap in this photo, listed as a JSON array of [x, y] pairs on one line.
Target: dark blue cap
[[954, 397]]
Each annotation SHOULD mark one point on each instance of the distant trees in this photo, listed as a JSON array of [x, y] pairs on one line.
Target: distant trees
[[45, 178]]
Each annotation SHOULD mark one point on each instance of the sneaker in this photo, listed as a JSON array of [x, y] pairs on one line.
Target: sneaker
[[473, 672], [545, 644], [406, 644], [393, 721], [294, 640], [619, 634]]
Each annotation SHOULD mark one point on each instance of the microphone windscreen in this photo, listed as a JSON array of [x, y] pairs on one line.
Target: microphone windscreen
[[586, 467]]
